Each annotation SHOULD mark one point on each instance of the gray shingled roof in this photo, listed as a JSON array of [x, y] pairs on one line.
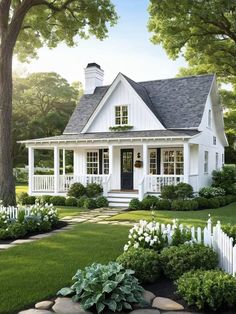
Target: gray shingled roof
[[178, 103], [112, 135]]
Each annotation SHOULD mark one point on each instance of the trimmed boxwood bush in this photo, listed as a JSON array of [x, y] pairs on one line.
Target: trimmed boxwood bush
[[145, 263], [93, 189], [89, 203], [135, 204], [163, 205], [230, 198], [210, 192], [45, 199], [71, 201], [17, 230], [149, 202], [184, 205], [213, 203], [176, 260], [183, 190], [225, 179], [212, 289], [168, 192], [58, 200], [25, 199], [230, 230], [202, 202], [77, 190], [81, 200], [102, 201]]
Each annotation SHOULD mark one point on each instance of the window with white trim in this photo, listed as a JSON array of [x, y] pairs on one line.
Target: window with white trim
[[92, 162], [152, 161], [121, 115], [173, 161], [206, 157], [105, 157], [214, 140], [209, 118], [217, 161]]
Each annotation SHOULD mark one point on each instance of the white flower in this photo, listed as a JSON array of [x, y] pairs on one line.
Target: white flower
[[140, 238], [136, 245], [147, 239], [126, 247]]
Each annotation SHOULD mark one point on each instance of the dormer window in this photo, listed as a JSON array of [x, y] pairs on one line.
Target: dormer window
[[121, 115], [209, 118]]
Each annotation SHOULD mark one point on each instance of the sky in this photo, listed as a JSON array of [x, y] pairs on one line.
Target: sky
[[128, 49]]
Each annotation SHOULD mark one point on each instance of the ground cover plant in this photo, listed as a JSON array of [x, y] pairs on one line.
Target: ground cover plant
[[85, 244], [105, 287]]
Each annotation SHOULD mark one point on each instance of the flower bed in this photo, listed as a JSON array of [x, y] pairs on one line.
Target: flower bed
[[24, 221]]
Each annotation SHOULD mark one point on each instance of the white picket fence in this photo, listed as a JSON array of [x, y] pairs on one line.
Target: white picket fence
[[12, 212], [214, 237]]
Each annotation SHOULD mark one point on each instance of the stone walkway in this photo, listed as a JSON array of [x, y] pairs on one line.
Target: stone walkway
[[93, 216]]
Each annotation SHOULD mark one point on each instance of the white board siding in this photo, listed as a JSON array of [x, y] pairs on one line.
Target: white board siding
[[139, 115]]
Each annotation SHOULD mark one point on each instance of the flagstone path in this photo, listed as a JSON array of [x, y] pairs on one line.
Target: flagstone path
[[93, 216]]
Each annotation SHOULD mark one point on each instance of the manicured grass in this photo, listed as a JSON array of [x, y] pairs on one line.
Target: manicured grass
[[36, 271], [21, 188], [225, 214], [69, 211]]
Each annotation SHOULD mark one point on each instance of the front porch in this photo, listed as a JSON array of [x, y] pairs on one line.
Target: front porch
[[141, 168]]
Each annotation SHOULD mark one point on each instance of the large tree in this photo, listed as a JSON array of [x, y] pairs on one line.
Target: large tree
[[42, 105], [204, 33], [25, 26]]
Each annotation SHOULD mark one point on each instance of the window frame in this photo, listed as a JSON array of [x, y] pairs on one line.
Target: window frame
[[91, 162], [175, 162], [105, 150], [209, 118], [206, 162], [217, 161], [121, 115], [152, 150]]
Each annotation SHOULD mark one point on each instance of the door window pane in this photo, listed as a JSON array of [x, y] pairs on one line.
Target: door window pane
[[105, 161], [153, 161]]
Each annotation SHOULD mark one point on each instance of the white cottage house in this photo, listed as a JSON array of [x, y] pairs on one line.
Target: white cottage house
[[134, 137]]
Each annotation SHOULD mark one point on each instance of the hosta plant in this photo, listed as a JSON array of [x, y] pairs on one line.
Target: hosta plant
[[146, 235], [105, 287], [210, 191]]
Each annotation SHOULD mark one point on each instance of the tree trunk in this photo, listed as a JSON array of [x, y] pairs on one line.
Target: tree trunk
[[7, 182]]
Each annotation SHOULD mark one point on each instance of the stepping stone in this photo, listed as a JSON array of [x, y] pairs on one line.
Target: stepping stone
[[22, 241], [166, 304], [35, 311], [80, 220], [67, 306], [148, 296], [6, 246], [145, 311], [44, 305]]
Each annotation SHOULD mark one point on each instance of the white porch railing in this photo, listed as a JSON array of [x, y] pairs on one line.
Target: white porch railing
[[154, 183], [45, 183]]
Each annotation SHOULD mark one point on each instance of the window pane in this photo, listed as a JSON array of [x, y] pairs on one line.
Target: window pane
[[92, 163]]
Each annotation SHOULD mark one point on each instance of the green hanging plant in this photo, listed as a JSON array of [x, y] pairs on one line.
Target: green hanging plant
[[120, 128]]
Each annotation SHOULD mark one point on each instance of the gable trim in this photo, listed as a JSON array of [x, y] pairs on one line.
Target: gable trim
[[119, 78]]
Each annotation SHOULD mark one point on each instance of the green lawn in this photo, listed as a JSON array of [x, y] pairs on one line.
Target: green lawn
[[225, 214], [21, 188], [68, 211], [36, 271]]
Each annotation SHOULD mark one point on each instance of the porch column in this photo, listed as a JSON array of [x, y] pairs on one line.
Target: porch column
[[110, 159], [56, 169], [64, 161], [145, 159], [31, 169], [186, 162]]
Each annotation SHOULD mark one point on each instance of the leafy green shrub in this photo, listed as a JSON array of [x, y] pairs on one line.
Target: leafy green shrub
[[180, 236], [105, 287], [45, 226], [212, 289], [21, 216], [135, 204], [4, 234], [45, 199], [90, 203], [183, 190], [213, 202], [149, 202], [93, 189], [71, 201], [230, 198], [146, 235], [163, 204], [77, 190], [58, 200], [230, 230], [184, 205], [168, 192], [176, 260], [202, 202], [32, 223], [210, 192], [222, 200], [81, 200], [17, 230], [102, 201], [225, 179], [25, 199], [144, 262]]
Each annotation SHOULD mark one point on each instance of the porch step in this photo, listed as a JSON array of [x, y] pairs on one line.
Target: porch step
[[121, 198]]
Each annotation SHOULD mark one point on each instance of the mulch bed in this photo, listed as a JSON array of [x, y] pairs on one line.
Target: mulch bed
[[166, 288]]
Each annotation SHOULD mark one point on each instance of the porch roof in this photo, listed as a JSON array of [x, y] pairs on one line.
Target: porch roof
[[114, 136]]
